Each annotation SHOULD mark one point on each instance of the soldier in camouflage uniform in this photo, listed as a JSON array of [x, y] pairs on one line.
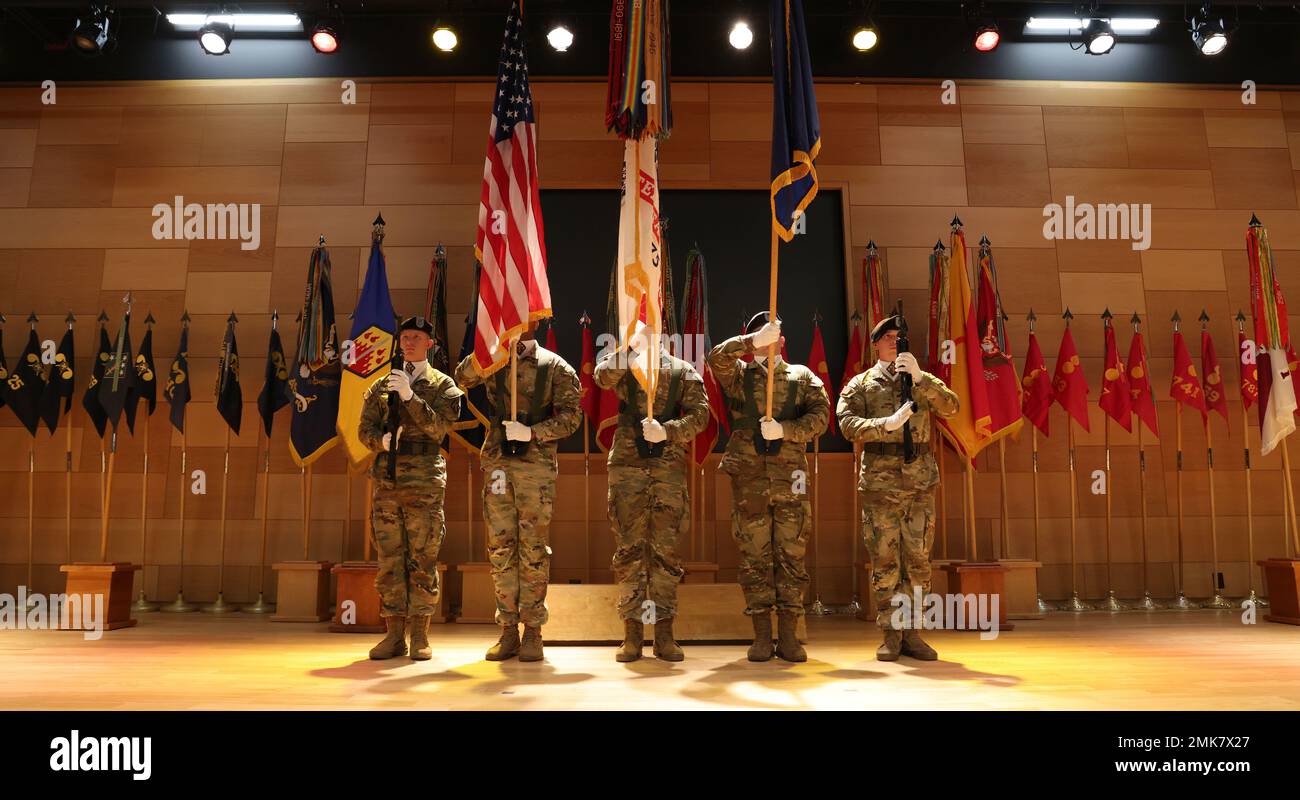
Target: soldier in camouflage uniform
[[897, 498], [406, 514], [770, 515], [648, 497], [518, 459]]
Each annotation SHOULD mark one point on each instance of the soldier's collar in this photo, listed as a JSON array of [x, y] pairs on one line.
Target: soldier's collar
[[417, 369], [759, 362], [886, 370]]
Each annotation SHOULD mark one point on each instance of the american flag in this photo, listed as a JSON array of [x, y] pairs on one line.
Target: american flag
[[510, 243]]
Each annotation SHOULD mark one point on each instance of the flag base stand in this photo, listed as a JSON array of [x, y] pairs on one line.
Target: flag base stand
[[478, 598], [1112, 604], [1147, 603], [867, 611], [1022, 599], [1044, 607], [302, 591], [1181, 603], [1076, 606], [1218, 602], [1256, 600], [220, 606], [179, 606], [700, 572], [979, 578], [1282, 581], [356, 585], [818, 608], [587, 613], [260, 607], [142, 604], [113, 581]]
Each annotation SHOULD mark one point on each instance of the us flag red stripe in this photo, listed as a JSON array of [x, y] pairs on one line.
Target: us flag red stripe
[[511, 244]]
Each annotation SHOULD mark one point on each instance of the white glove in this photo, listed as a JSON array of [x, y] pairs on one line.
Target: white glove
[[518, 431], [906, 362], [770, 333], [771, 429], [895, 420], [653, 431], [388, 437], [400, 382]]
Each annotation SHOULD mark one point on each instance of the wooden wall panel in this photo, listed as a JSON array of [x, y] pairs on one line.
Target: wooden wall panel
[[78, 180]]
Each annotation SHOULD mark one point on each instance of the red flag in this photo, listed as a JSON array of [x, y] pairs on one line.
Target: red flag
[[1000, 381], [1247, 370], [1069, 384], [1185, 387], [1037, 397], [1139, 385], [1115, 399], [853, 361], [550, 337], [1212, 378], [695, 338], [590, 392], [817, 363]]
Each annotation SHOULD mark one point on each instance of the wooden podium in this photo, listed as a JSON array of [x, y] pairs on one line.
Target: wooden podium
[[302, 591], [979, 578], [478, 600], [1021, 588], [1282, 584], [112, 580], [355, 581]]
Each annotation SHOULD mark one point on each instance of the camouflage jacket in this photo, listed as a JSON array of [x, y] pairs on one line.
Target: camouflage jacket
[[692, 409], [865, 402], [427, 417], [809, 416], [562, 394]]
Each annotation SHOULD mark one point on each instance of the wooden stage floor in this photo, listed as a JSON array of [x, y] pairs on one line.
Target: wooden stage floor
[[1164, 660]]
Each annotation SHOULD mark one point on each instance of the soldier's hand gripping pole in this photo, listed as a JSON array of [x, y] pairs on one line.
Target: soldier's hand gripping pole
[[905, 386], [394, 416]]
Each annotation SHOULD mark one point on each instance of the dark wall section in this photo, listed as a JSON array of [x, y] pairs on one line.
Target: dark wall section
[[731, 230]]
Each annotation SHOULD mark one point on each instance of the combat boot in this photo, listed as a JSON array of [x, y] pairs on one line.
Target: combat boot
[[633, 635], [394, 644], [787, 639], [665, 647], [507, 646], [420, 650], [761, 649], [916, 647], [531, 649], [890, 648]]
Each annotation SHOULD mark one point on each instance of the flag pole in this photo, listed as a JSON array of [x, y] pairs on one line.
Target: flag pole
[[261, 606], [771, 317], [1042, 605], [855, 527], [586, 498], [1002, 470], [1250, 511], [1074, 604], [67, 461], [1147, 603], [818, 607], [469, 508], [347, 509], [142, 603], [1111, 603], [179, 605], [306, 513], [1180, 601], [937, 438], [221, 606], [1216, 580], [31, 487]]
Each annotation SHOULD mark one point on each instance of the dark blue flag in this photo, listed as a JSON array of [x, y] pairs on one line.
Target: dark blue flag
[[58, 389], [275, 385], [118, 385], [796, 132], [146, 379], [26, 384], [314, 379], [230, 395], [90, 400], [178, 379]]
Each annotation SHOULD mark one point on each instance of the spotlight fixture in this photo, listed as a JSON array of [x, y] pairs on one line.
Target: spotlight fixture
[[215, 37], [561, 38], [1098, 37], [324, 38], [1209, 35], [741, 36], [445, 39], [987, 37], [90, 35], [865, 38]]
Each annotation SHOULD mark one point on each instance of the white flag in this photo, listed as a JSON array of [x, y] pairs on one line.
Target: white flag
[[1280, 405], [639, 253]]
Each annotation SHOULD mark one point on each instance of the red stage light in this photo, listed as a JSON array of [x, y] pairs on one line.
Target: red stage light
[[324, 40], [987, 39]]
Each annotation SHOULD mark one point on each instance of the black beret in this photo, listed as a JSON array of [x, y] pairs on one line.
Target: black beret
[[417, 324], [884, 326], [757, 321]]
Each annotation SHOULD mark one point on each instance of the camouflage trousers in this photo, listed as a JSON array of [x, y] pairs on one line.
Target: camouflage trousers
[[409, 527], [517, 502], [647, 514], [898, 528], [770, 526]]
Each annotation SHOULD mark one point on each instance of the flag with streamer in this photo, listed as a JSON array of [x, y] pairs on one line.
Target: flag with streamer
[[971, 428], [316, 374], [1267, 305], [796, 128], [640, 250], [637, 97], [1001, 384], [873, 287]]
